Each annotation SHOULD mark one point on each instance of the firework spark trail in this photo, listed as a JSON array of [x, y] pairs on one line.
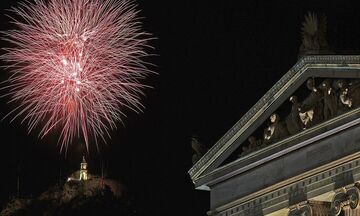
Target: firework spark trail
[[76, 65]]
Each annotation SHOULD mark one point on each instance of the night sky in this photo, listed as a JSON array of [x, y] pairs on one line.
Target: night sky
[[215, 59]]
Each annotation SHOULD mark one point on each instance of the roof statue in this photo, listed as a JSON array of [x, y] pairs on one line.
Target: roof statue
[[199, 149], [313, 34]]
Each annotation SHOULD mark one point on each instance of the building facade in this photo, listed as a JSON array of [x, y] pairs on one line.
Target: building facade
[[296, 151]]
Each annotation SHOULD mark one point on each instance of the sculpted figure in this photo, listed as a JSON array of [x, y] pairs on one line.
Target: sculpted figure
[[330, 99], [275, 131], [354, 93], [293, 121], [344, 100], [254, 143], [199, 149], [312, 107], [307, 118], [313, 34], [244, 151]]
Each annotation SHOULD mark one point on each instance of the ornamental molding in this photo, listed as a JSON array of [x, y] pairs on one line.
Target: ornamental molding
[[310, 208], [292, 194]]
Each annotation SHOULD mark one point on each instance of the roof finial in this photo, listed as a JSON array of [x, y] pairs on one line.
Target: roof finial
[[313, 33]]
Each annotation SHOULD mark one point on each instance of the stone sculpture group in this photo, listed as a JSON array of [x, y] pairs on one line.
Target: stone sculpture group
[[325, 101]]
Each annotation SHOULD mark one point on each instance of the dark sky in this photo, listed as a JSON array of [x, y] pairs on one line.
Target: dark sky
[[215, 60]]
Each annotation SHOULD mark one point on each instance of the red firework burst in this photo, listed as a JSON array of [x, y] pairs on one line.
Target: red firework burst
[[76, 65]]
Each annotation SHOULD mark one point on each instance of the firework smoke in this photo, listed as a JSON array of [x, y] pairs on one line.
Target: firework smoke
[[76, 66]]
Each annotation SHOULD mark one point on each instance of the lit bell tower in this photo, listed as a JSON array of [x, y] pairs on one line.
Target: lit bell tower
[[83, 170]]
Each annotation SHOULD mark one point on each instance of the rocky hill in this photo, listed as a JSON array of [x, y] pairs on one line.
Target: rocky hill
[[95, 196]]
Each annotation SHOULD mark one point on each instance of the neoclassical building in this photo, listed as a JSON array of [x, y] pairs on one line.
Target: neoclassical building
[[296, 151]]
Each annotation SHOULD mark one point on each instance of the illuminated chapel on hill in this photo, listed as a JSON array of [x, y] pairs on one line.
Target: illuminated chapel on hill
[[296, 152]]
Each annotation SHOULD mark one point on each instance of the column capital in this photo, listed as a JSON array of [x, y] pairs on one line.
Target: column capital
[[309, 208], [345, 197]]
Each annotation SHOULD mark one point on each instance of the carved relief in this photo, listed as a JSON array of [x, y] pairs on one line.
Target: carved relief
[[339, 201], [313, 104], [344, 100], [345, 198], [310, 208], [307, 118], [325, 101], [353, 196], [276, 129], [354, 92], [254, 144], [293, 121], [330, 99]]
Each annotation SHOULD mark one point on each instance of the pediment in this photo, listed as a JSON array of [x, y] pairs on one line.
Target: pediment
[[328, 71]]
